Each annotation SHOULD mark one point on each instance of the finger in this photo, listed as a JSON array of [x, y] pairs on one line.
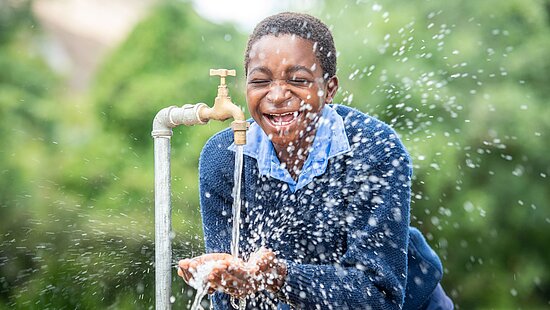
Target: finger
[[187, 276], [194, 263], [184, 263], [218, 269], [268, 261], [236, 284], [226, 271], [223, 256], [214, 279], [199, 260]]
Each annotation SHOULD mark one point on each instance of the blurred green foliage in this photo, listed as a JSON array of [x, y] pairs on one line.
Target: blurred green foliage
[[463, 83]]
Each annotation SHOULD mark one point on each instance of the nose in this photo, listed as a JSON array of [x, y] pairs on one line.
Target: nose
[[278, 92]]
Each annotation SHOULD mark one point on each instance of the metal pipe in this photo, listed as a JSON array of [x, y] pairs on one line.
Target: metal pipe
[[164, 121], [163, 221]]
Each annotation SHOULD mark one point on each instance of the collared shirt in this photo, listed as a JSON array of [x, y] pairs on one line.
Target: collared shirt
[[330, 141]]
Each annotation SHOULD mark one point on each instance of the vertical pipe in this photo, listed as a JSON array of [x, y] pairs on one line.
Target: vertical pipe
[[163, 246]]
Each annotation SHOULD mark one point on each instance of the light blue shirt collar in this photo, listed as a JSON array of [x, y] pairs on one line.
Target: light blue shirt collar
[[330, 141]]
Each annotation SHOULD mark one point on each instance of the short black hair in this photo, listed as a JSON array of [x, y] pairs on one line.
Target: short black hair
[[304, 26]]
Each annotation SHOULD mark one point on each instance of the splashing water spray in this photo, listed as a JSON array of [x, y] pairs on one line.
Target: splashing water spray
[[164, 121]]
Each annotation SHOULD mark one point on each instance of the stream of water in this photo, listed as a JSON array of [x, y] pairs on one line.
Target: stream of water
[[199, 282], [237, 201], [241, 305]]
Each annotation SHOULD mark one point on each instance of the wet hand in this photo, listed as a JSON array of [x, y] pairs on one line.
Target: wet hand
[[188, 266], [270, 272], [263, 271]]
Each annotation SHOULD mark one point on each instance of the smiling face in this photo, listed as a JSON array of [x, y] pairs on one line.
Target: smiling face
[[286, 91]]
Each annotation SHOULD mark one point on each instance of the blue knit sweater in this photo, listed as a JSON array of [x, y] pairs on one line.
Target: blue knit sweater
[[345, 236]]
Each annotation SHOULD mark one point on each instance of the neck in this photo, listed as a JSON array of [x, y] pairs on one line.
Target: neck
[[294, 155]]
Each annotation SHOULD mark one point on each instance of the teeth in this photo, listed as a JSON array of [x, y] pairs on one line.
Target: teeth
[[281, 115], [277, 119]]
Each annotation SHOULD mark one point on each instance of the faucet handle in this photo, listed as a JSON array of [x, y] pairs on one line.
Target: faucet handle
[[222, 73]]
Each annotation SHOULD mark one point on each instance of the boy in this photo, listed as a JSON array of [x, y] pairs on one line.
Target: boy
[[326, 191]]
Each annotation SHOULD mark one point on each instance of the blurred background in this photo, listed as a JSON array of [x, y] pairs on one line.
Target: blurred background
[[464, 83]]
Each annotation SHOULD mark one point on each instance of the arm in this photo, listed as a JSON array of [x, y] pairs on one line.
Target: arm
[[215, 187], [372, 272]]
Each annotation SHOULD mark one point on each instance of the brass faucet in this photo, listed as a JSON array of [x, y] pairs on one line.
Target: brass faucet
[[224, 109]]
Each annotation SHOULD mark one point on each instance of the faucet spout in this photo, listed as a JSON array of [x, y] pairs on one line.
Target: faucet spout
[[224, 108]]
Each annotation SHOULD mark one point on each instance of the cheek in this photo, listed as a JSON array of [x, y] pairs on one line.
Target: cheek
[[311, 101], [311, 93], [251, 100], [253, 96]]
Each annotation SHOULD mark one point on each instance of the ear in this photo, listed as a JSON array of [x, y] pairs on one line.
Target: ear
[[331, 89]]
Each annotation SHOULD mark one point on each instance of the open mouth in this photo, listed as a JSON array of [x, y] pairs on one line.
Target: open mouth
[[282, 119]]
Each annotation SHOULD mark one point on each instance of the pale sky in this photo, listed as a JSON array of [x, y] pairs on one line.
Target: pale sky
[[246, 13], [96, 25]]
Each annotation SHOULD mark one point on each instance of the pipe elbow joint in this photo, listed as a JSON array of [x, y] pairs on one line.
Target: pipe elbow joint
[[161, 123], [173, 116]]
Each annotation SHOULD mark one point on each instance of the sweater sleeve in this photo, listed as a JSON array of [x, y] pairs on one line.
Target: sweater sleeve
[[372, 272], [215, 184]]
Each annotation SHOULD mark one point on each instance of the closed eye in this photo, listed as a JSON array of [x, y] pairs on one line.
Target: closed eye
[[259, 82], [298, 81]]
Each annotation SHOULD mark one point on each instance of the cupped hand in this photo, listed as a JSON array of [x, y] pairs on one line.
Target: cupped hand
[[263, 271], [188, 266], [269, 271]]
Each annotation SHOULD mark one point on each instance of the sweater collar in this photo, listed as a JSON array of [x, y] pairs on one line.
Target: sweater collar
[[330, 141]]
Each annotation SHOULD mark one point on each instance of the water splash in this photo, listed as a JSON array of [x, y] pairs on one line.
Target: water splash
[[200, 283]]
